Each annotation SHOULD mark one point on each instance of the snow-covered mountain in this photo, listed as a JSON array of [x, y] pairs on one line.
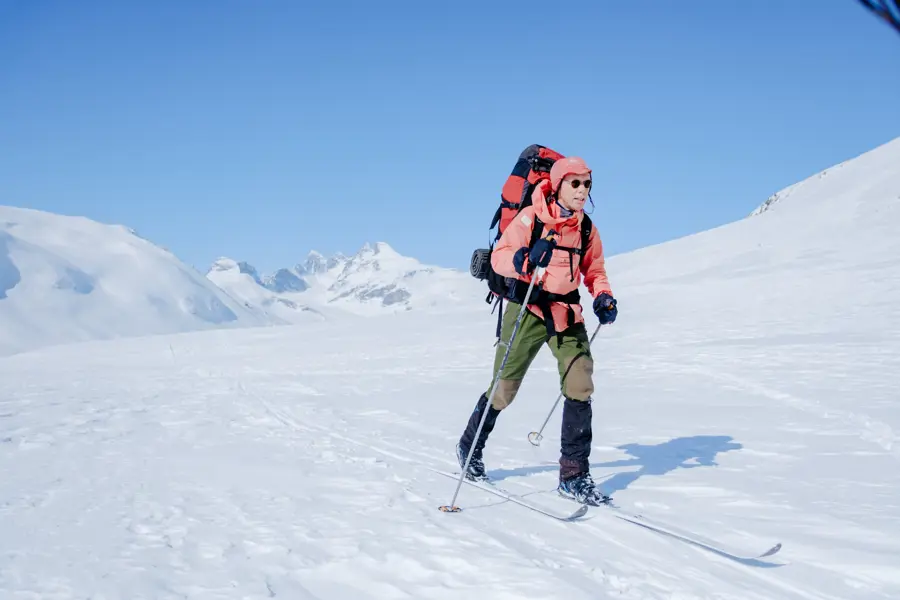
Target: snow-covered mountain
[[375, 280], [284, 280], [747, 394], [276, 296], [317, 263], [66, 279]]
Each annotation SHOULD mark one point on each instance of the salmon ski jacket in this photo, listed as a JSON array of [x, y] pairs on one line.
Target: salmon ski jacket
[[560, 276]]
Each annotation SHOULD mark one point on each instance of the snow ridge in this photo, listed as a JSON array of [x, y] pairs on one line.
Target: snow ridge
[[66, 279], [375, 280]]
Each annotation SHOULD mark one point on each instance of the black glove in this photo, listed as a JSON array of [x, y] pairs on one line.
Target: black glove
[[541, 252], [605, 308], [539, 256]]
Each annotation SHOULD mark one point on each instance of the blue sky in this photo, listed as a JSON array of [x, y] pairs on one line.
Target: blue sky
[[313, 126]]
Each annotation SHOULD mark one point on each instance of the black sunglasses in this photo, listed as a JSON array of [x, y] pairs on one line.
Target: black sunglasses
[[577, 182]]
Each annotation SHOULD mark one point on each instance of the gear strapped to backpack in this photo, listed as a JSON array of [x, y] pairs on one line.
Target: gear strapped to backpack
[[533, 165]]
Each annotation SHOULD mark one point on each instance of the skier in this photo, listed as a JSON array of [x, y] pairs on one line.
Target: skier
[[553, 316]]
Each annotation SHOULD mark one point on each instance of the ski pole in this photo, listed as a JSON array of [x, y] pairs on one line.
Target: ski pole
[[535, 437], [538, 273]]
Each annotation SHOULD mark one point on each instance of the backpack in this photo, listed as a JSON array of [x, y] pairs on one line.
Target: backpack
[[532, 166]]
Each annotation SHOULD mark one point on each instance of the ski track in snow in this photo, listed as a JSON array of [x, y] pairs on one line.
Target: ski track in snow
[[203, 470]]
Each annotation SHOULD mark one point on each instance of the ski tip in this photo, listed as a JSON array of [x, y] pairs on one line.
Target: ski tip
[[449, 509], [580, 512], [771, 550]]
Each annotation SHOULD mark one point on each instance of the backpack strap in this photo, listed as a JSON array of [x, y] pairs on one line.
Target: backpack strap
[[524, 201], [536, 232], [586, 226], [582, 249], [504, 204]]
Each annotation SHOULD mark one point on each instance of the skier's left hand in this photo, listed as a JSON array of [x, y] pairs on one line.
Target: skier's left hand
[[605, 308]]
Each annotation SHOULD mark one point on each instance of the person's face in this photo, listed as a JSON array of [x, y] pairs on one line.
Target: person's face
[[573, 191]]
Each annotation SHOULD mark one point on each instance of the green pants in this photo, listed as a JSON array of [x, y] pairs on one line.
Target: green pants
[[571, 348]]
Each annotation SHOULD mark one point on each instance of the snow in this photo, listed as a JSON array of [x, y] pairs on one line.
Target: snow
[[285, 280], [374, 281], [241, 281], [65, 279], [378, 278], [746, 394]]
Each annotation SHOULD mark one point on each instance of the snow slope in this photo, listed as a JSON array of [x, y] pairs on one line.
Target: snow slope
[[822, 258], [376, 280], [69, 278], [747, 394]]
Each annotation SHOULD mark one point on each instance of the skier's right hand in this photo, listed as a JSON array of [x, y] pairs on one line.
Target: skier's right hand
[[542, 252], [524, 261]]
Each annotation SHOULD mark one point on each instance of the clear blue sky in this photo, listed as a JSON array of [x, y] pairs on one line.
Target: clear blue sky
[[325, 125]]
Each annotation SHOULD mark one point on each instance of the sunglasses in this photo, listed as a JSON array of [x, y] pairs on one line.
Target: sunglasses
[[577, 182]]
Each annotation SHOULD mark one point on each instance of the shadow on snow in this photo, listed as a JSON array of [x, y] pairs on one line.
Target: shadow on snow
[[650, 460]]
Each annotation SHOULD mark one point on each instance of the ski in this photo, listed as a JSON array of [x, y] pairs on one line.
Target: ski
[[683, 535], [567, 518], [692, 538], [658, 526]]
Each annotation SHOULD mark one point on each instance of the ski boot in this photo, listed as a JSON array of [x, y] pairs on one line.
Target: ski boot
[[476, 471], [582, 489]]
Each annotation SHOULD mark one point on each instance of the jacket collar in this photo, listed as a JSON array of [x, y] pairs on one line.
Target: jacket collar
[[548, 211]]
